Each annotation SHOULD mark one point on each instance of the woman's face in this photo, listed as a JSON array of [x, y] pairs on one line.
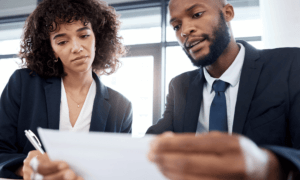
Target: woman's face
[[74, 44]]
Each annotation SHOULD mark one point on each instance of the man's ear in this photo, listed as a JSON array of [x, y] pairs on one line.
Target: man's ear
[[228, 12]]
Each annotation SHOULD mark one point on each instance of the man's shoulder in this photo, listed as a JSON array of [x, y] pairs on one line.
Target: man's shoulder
[[187, 75], [184, 79], [280, 52]]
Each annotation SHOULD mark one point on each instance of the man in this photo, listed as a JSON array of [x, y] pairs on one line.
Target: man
[[252, 96]]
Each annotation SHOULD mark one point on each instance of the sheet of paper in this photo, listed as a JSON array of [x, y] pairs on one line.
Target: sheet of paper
[[96, 156]]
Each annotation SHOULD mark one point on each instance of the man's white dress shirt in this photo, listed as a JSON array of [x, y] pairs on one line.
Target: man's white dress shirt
[[232, 76]]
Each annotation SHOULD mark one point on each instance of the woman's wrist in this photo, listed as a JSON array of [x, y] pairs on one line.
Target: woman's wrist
[[19, 171]]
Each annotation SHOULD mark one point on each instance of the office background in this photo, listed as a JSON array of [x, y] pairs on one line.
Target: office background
[[154, 55]]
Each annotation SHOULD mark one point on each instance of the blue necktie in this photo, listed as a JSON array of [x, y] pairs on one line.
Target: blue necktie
[[218, 110]]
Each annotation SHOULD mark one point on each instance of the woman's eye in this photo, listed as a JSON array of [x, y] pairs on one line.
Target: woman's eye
[[62, 43], [197, 14], [85, 36]]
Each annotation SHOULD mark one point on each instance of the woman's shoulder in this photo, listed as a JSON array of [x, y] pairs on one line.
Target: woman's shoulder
[[25, 76], [108, 93], [28, 74], [115, 95], [25, 73]]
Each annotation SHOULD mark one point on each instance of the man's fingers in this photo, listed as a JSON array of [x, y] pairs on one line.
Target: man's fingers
[[214, 142], [200, 164], [179, 176], [191, 164], [49, 167], [66, 174]]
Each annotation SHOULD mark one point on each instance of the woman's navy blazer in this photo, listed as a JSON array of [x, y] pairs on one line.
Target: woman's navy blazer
[[29, 101]]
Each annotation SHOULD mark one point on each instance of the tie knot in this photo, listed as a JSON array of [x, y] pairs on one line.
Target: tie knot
[[220, 86]]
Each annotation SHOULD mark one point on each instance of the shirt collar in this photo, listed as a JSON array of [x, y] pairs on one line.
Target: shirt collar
[[232, 74]]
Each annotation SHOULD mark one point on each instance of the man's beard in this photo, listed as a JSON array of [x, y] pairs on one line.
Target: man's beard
[[219, 44]]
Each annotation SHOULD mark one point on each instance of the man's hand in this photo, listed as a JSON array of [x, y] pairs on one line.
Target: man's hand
[[211, 156]]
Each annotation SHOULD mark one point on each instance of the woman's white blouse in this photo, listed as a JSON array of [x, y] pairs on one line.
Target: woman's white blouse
[[84, 119]]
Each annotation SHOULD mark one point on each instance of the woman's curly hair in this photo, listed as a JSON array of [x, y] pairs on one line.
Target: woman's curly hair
[[36, 52]]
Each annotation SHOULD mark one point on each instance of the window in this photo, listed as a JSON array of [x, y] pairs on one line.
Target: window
[[141, 26], [7, 67], [8, 64], [135, 81]]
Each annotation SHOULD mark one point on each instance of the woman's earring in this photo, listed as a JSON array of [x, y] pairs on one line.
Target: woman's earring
[[56, 60]]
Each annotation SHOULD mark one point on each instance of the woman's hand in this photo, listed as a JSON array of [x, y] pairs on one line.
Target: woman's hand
[[56, 170], [26, 169]]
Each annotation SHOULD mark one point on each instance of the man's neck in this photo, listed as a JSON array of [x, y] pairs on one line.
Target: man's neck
[[224, 61]]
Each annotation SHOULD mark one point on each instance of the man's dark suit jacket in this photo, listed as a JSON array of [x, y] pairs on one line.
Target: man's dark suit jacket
[[268, 103], [29, 101]]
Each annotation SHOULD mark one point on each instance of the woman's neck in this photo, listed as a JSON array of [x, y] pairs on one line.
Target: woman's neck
[[78, 83]]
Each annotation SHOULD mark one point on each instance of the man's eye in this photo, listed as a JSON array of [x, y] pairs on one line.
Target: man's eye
[[176, 27], [197, 14]]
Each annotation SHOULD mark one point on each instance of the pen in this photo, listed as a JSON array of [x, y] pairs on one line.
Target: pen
[[34, 140]]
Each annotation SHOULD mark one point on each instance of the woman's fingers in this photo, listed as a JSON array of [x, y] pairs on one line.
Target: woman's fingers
[[51, 167], [27, 172], [66, 174], [27, 169]]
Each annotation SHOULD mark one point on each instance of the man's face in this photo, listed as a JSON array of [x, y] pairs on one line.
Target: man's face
[[200, 28]]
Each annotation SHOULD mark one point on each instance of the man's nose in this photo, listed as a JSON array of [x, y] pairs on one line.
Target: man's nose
[[187, 29]]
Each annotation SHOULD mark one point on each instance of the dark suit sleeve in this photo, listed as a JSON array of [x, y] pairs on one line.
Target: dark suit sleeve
[[127, 122], [10, 156], [290, 157], [165, 123]]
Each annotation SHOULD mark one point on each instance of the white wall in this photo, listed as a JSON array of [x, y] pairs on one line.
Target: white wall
[[281, 23]]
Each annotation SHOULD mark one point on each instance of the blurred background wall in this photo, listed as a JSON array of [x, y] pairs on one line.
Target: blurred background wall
[[281, 23]]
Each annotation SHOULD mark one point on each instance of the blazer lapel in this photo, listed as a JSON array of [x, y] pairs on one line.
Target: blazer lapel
[[101, 107], [52, 88], [249, 78], [193, 102]]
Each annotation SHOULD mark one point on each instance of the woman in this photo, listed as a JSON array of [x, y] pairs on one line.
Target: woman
[[65, 43]]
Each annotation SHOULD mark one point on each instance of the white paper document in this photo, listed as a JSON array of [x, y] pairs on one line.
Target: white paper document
[[102, 156]]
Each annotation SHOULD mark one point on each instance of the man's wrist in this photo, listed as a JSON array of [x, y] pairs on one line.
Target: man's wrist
[[275, 170]]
